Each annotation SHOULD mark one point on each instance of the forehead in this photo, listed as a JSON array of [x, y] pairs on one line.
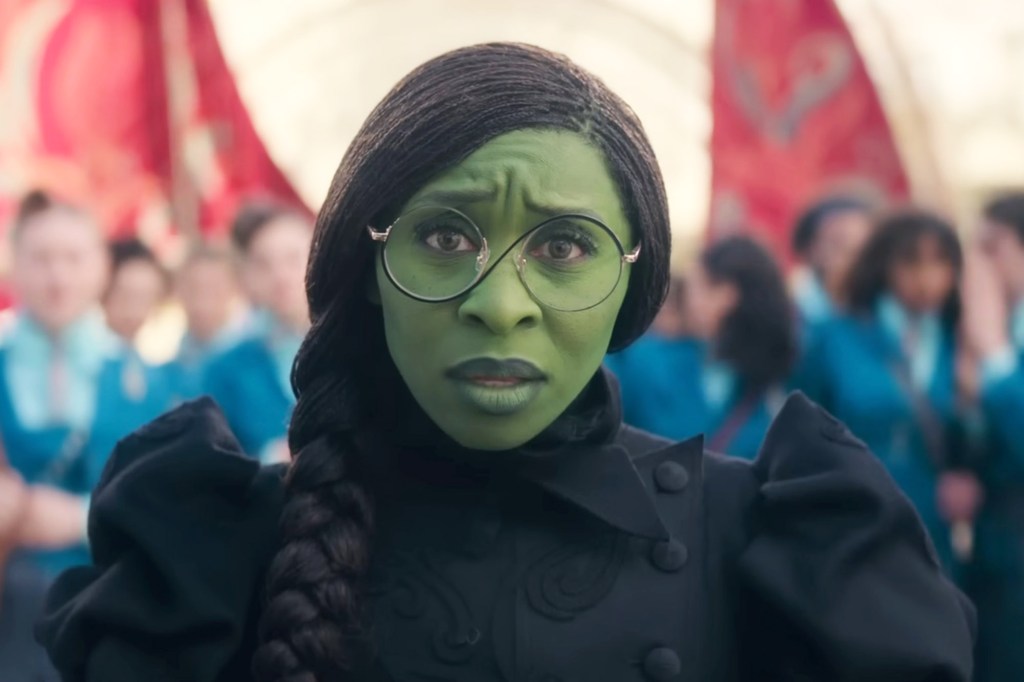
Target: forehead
[[59, 228], [546, 172], [292, 230]]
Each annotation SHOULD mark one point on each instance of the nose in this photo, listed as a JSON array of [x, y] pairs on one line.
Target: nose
[[501, 301]]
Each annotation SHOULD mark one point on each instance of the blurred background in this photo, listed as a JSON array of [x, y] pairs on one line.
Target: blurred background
[[846, 188]]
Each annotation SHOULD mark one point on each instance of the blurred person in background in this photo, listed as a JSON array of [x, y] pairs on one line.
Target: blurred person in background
[[207, 289], [827, 239], [252, 380], [887, 368], [670, 322], [138, 286], [993, 331], [726, 380], [69, 389]]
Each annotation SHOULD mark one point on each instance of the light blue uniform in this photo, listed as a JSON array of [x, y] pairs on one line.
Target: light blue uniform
[[251, 381], [850, 369], [64, 405], [670, 388], [187, 370]]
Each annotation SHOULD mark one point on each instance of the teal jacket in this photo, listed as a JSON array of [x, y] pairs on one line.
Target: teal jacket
[[671, 389]]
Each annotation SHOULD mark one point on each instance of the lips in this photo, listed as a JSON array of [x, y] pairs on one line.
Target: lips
[[497, 373]]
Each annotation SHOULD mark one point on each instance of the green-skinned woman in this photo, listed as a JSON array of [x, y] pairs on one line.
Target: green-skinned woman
[[463, 501]]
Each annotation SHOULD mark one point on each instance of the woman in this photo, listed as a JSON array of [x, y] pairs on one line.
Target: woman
[[206, 287], [827, 238], [138, 285], [993, 345], [250, 380], [464, 503], [727, 381], [887, 369], [69, 389]]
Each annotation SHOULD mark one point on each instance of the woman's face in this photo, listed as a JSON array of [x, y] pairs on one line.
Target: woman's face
[[274, 268], [136, 290], [206, 289], [59, 268], [708, 303], [923, 280], [495, 367]]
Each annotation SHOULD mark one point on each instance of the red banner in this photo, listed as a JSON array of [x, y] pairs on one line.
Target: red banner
[[796, 116], [128, 107]]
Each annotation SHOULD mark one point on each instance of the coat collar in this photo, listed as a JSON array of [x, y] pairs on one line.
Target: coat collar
[[579, 459]]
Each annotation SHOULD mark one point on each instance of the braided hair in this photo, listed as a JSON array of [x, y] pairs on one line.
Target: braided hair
[[313, 624]]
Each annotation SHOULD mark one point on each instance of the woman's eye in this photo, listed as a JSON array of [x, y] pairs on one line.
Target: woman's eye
[[449, 241], [559, 248]]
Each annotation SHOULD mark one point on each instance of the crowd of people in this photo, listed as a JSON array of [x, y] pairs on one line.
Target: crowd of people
[[907, 334], [72, 381], [910, 335]]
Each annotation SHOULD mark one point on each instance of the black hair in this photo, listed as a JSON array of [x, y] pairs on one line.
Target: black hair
[[1008, 210], [897, 237], [129, 250], [808, 225], [254, 215], [758, 338], [312, 627]]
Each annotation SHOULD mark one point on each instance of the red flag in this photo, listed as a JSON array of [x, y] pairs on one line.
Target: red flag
[[129, 107], [795, 116]]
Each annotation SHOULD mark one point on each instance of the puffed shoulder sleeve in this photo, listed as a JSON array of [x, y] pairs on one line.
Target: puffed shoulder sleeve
[[840, 580], [181, 528]]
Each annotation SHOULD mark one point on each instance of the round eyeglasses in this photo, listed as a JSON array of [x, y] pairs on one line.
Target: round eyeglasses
[[571, 262]]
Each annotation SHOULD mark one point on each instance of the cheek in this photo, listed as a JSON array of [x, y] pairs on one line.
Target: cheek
[[582, 338], [414, 330]]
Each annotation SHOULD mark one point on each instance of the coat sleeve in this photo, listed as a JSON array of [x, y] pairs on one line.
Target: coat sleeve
[[182, 526], [840, 580]]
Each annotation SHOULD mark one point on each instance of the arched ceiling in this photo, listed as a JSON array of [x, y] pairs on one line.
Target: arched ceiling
[[951, 73]]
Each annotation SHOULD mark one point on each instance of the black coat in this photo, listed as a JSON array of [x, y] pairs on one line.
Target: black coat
[[625, 559]]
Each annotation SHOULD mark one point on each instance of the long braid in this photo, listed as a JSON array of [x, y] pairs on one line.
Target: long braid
[[311, 624]]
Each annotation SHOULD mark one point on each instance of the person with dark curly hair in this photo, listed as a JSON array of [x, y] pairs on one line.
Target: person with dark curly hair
[[727, 379], [888, 368], [464, 501]]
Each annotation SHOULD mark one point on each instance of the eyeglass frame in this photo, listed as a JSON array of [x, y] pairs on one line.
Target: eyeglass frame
[[483, 257]]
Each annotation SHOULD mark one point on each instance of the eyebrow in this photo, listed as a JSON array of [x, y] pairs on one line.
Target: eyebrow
[[456, 198]]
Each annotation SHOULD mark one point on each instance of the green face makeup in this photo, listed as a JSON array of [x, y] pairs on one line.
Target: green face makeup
[[496, 365]]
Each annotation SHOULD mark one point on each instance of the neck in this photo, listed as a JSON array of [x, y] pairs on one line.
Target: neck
[[55, 332]]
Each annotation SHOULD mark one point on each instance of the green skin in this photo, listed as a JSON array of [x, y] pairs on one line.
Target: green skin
[[506, 187]]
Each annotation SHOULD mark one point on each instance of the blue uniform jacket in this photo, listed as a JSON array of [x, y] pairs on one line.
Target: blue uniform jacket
[[850, 370], [664, 392]]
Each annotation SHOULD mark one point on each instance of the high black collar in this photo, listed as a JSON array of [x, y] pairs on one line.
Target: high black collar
[[579, 458]]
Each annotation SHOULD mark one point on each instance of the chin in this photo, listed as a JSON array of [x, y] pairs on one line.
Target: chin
[[491, 439]]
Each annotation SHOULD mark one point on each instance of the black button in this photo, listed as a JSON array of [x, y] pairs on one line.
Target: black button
[[669, 556], [662, 664], [671, 477]]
